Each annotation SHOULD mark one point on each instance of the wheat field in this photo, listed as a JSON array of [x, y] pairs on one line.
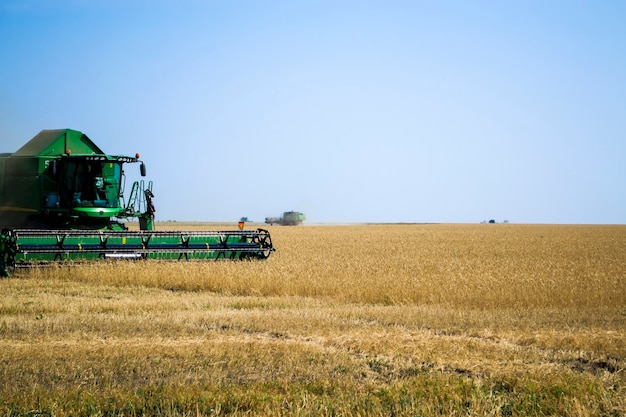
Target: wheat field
[[354, 320]]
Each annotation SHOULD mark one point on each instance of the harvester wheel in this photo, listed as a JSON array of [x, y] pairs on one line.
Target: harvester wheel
[[8, 250]]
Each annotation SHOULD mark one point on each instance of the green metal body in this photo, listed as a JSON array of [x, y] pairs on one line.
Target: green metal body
[[61, 179], [61, 198]]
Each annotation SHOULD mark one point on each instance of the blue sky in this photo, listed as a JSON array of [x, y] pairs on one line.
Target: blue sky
[[349, 111]]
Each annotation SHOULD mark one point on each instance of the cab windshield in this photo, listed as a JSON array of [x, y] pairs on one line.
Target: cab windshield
[[89, 183]]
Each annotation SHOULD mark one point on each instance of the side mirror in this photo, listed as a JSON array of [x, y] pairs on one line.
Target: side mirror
[[142, 169], [53, 167]]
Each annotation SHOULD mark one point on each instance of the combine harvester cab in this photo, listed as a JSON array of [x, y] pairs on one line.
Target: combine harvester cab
[[61, 179], [61, 198]]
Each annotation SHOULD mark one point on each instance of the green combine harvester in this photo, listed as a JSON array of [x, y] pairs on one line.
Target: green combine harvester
[[62, 199]]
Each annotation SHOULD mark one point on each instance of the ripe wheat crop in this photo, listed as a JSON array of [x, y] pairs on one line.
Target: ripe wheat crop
[[340, 320]]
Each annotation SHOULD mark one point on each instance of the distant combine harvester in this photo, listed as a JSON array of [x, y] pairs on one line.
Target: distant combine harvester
[[289, 218]]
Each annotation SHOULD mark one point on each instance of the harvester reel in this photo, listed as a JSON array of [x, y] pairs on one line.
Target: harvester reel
[[28, 247]]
